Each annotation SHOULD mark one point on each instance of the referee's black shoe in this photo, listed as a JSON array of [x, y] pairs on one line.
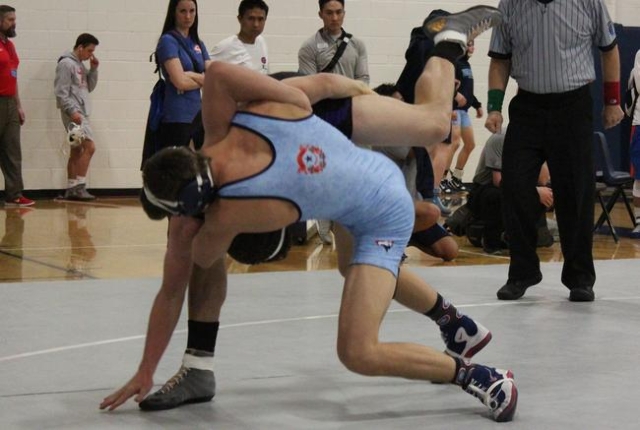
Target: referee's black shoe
[[513, 290], [584, 294], [462, 26]]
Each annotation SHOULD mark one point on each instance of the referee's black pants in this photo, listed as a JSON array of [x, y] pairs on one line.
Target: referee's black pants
[[557, 128]]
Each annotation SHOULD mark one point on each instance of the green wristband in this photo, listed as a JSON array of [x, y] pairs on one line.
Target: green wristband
[[496, 97]]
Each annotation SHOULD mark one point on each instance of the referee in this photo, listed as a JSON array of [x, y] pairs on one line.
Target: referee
[[546, 46]]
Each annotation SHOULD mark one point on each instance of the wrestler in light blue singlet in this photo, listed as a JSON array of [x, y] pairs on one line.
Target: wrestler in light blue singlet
[[326, 176]]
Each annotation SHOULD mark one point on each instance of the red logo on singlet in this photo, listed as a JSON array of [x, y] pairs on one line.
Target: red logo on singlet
[[310, 160]]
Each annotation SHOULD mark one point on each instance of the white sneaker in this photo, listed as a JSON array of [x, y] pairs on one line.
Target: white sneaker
[[78, 193]]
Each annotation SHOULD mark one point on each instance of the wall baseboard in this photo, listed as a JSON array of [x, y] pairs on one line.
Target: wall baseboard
[[98, 192]]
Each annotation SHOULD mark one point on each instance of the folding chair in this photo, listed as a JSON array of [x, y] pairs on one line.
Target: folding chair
[[611, 178]]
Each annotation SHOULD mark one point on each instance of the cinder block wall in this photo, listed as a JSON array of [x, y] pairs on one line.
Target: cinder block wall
[[128, 31]]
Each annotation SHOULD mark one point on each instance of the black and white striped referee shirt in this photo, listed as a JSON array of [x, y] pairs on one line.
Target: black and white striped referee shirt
[[550, 44]]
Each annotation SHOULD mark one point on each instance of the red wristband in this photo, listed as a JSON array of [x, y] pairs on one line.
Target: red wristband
[[611, 93]]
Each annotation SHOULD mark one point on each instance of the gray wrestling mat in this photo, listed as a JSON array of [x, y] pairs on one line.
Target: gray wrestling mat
[[66, 345]]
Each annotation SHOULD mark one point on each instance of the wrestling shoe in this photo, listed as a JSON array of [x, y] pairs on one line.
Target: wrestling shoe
[[465, 339], [462, 26], [494, 387], [189, 385]]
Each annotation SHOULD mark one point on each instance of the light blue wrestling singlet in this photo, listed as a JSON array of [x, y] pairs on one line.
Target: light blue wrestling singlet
[[326, 176]]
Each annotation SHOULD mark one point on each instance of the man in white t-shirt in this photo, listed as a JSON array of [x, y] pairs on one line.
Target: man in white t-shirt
[[248, 48]]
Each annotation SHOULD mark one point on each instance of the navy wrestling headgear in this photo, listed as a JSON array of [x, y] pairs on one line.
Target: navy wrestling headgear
[[193, 198]]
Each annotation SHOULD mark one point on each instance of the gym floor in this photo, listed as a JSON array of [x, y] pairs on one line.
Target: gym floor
[[78, 281]]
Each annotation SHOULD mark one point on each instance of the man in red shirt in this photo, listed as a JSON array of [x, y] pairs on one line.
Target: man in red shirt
[[11, 113]]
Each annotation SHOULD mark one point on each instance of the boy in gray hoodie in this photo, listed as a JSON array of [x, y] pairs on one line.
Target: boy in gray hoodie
[[72, 86]]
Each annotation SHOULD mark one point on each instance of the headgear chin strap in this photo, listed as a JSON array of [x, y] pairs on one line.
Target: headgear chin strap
[[196, 196], [193, 198], [166, 205]]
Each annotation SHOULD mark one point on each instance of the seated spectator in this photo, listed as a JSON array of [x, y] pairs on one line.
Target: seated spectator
[[485, 198]]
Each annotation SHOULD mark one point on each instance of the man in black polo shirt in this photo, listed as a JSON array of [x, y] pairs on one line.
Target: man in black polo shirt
[[546, 46]]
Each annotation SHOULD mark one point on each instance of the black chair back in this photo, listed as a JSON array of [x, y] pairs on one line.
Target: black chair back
[[610, 175], [602, 151]]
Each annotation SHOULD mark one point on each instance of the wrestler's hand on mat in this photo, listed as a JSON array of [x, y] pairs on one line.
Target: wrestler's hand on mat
[[139, 385], [612, 115], [494, 122]]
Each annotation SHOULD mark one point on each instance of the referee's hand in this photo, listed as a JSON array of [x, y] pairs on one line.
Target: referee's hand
[[494, 122], [612, 115]]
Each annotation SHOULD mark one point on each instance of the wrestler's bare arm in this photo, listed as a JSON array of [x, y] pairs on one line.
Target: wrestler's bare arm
[[226, 85], [164, 313], [214, 237], [328, 86]]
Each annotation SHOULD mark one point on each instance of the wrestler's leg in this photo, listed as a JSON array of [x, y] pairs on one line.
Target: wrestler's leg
[[382, 121]]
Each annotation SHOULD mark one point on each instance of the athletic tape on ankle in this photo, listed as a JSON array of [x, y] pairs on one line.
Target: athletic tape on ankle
[[193, 362], [636, 188]]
